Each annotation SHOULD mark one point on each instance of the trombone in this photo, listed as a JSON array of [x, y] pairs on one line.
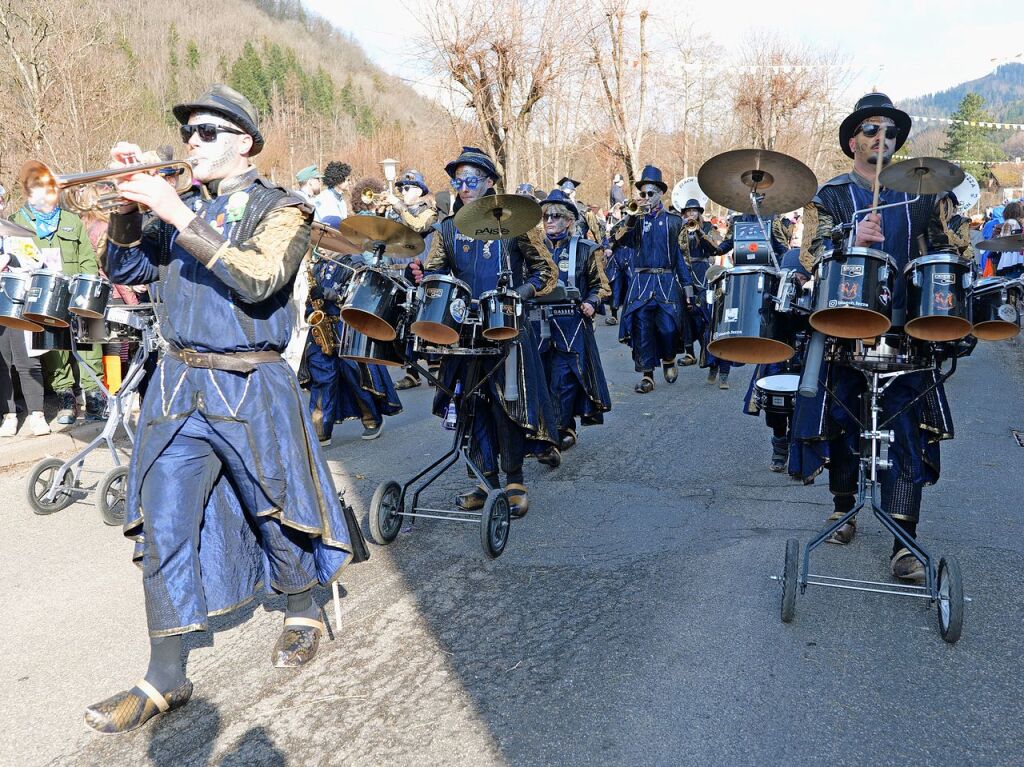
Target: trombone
[[96, 191]]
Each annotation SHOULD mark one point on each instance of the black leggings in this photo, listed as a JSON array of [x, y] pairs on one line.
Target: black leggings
[[14, 353]]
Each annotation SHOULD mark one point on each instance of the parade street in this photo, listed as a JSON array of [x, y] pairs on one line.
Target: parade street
[[632, 619]]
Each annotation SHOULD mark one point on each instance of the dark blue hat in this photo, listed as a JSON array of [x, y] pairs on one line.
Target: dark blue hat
[[413, 178], [566, 181], [651, 175], [693, 203], [525, 189], [475, 157], [558, 197]]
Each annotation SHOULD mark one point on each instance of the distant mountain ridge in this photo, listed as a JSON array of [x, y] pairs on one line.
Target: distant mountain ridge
[[1002, 89]]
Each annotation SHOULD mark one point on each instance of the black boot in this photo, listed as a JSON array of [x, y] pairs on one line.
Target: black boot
[[780, 454]]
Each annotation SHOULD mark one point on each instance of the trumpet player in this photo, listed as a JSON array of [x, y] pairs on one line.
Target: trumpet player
[[227, 489], [660, 287]]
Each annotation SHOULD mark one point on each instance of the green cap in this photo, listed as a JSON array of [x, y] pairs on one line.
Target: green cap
[[307, 173]]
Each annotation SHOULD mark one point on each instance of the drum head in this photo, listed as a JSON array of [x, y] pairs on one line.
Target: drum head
[[849, 322], [369, 324], [995, 330], [783, 383], [501, 334], [435, 332], [757, 351], [938, 328], [18, 323]]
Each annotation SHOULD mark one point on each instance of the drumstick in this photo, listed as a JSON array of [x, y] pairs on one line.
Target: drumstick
[[878, 169]]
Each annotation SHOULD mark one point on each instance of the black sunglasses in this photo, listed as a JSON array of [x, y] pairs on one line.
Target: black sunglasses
[[871, 130], [645, 195], [554, 216], [207, 132]]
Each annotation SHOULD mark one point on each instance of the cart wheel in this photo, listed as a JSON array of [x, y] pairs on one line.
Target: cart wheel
[[494, 523], [385, 513], [951, 600], [39, 482], [789, 575], [112, 496]]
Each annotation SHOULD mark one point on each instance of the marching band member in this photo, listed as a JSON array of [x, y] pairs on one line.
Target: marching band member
[[660, 285], [588, 225], [502, 429], [571, 359], [227, 489], [872, 133]]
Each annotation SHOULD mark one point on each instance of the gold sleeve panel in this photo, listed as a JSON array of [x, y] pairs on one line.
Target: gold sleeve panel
[[538, 259], [947, 227], [437, 258], [422, 222], [265, 263], [597, 280], [817, 228]]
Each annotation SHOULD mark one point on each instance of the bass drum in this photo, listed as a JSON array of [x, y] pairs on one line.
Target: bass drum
[[13, 288], [358, 347], [937, 305], [744, 325], [995, 309], [854, 294], [374, 304]]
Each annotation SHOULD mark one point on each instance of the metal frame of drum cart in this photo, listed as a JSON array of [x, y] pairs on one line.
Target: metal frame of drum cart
[[943, 579], [53, 484]]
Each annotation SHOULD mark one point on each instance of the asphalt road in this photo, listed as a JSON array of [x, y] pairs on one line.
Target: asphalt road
[[630, 621]]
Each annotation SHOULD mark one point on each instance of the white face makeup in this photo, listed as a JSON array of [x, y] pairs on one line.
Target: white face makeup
[[216, 159], [483, 183], [410, 194], [557, 221]]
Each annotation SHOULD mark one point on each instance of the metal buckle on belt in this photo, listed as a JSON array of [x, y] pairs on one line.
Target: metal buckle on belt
[[194, 359]]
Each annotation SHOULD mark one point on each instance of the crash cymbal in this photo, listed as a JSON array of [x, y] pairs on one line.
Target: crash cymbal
[[498, 217], [328, 238], [367, 233], [785, 182], [10, 229], [922, 175], [1007, 244]]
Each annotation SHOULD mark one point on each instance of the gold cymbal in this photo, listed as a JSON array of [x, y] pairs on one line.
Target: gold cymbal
[[922, 175], [10, 229], [367, 233], [498, 217], [730, 177], [1007, 244], [328, 238]]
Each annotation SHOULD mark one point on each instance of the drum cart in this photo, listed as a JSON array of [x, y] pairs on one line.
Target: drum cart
[[53, 484], [392, 502], [943, 579]]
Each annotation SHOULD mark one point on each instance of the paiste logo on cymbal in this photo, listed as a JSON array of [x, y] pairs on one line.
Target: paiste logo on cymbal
[[495, 232]]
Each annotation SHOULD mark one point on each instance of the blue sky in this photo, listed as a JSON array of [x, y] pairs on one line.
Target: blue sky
[[919, 47]]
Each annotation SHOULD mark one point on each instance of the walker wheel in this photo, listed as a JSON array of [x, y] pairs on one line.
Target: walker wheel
[[39, 482], [495, 521], [385, 513], [789, 577], [950, 599], [112, 496]]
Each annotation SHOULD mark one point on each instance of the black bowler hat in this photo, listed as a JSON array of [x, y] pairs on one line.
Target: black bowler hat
[[477, 158], [565, 180], [693, 203], [558, 197], [651, 175], [873, 105], [229, 104]]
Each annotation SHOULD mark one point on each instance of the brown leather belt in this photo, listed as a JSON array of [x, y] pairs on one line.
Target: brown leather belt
[[652, 270], [236, 362]]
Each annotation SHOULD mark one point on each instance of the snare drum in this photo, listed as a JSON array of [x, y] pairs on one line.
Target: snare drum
[[443, 305], [995, 309], [500, 311], [854, 294], [119, 323], [745, 326], [90, 294], [47, 299], [777, 394], [374, 304], [888, 353], [13, 288], [937, 305], [357, 347]]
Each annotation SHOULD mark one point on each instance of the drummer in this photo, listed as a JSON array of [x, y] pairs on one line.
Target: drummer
[[828, 436], [571, 359], [503, 431]]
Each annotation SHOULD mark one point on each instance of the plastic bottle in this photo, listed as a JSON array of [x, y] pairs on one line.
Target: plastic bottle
[[451, 418]]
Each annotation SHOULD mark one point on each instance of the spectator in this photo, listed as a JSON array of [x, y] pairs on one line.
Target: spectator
[[1011, 264], [331, 201], [310, 183]]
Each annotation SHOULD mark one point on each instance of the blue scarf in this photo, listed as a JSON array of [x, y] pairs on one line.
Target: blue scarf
[[46, 223]]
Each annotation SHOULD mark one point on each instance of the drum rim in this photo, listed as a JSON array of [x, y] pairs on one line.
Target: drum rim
[[988, 285], [498, 292], [446, 278], [859, 250], [48, 273], [90, 278], [936, 258], [751, 269]]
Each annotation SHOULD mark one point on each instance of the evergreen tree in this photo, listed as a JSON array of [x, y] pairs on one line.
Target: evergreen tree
[[970, 142], [249, 78], [192, 55]]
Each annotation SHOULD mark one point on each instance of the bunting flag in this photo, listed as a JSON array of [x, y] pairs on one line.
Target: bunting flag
[[948, 120], [966, 162]]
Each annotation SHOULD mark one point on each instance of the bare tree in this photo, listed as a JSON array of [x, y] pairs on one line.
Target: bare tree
[[27, 34], [622, 71]]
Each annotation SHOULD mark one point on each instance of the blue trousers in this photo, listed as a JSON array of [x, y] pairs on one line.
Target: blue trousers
[[655, 336], [336, 394], [201, 455]]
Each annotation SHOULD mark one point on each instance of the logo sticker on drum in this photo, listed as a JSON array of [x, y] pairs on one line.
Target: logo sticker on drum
[[852, 270], [884, 296], [944, 300], [732, 315], [848, 291], [458, 310], [1007, 313], [432, 292], [944, 279]]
